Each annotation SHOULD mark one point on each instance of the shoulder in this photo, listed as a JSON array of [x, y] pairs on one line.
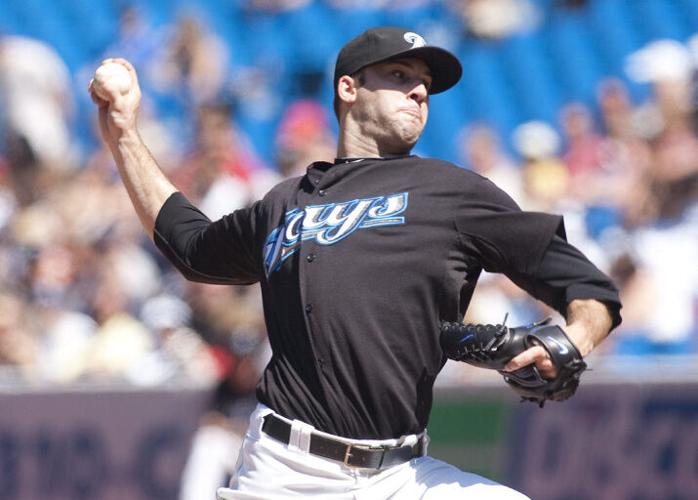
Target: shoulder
[[458, 182], [442, 169]]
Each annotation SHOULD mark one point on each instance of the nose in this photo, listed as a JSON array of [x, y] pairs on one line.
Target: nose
[[419, 93]]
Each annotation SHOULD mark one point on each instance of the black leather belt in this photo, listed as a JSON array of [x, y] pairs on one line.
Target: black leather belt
[[363, 456]]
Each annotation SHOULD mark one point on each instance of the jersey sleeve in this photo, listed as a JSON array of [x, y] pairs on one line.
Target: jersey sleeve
[[532, 250], [565, 274], [220, 252], [499, 235]]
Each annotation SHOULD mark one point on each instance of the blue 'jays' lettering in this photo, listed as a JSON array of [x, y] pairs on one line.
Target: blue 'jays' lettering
[[328, 224]]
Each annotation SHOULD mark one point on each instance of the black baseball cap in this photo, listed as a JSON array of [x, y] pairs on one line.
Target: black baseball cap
[[383, 44]]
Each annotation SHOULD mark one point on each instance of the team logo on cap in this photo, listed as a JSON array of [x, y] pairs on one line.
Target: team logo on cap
[[415, 39]]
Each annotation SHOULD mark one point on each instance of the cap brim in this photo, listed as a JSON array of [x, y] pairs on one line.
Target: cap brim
[[445, 68]]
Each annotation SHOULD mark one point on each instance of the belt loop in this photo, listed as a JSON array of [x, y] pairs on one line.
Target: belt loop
[[299, 439], [294, 437], [424, 441], [304, 437]]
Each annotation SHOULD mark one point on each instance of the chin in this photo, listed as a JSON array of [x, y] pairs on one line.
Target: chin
[[402, 147], [410, 139], [402, 139]]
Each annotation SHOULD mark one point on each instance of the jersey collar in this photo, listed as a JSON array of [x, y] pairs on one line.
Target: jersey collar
[[339, 161]]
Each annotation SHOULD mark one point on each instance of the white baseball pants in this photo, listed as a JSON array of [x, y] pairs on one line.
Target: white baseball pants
[[270, 470]]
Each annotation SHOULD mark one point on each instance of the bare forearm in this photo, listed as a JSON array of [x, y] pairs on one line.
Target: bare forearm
[[115, 91], [146, 184], [588, 323]]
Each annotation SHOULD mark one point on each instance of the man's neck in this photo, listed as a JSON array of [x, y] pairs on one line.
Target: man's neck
[[353, 144], [350, 145]]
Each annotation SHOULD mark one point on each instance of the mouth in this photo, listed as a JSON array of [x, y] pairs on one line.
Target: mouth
[[412, 112]]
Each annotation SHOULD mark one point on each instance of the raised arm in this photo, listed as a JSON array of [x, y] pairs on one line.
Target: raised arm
[[146, 184], [212, 252]]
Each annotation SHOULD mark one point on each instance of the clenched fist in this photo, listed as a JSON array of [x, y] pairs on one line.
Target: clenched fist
[[115, 90]]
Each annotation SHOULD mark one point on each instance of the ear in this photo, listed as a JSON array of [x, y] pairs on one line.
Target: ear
[[347, 89]]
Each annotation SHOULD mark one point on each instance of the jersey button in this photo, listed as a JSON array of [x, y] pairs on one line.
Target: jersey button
[[308, 308], [316, 181], [310, 257], [322, 192]]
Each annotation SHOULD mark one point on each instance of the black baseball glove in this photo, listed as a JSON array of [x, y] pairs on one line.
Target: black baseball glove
[[492, 346]]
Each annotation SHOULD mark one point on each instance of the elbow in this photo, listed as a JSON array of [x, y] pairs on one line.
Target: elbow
[[191, 274]]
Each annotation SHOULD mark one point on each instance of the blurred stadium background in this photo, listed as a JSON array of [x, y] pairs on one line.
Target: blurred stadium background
[[120, 380]]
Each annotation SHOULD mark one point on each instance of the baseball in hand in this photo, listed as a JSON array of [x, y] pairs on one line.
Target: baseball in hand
[[111, 78]]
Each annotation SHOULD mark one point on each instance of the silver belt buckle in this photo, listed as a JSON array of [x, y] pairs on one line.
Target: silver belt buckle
[[348, 454]]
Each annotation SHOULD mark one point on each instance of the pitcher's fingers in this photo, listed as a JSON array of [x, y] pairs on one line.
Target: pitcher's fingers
[[547, 369], [127, 65], [95, 97], [526, 358]]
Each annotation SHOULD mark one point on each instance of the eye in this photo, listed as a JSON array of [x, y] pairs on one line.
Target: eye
[[399, 74]]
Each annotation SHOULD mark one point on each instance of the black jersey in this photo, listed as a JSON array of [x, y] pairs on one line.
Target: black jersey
[[358, 262]]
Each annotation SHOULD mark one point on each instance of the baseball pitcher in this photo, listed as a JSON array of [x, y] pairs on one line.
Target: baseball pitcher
[[367, 265]]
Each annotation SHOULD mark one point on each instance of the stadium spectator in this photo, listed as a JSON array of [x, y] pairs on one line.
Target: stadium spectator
[[276, 6], [222, 166], [595, 178], [545, 178], [36, 102], [375, 5], [583, 148], [192, 64], [137, 39], [303, 136], [626, 159], [667, 66], [482, 152], [660, 287], [8, 201], [18, 345], [547, 184], [496, 19]]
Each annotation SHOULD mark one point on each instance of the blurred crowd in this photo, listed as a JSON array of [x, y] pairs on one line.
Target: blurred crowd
[[85, 298], [627, 184]]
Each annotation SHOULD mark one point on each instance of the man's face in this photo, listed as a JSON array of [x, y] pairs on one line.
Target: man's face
[[392, 104]]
